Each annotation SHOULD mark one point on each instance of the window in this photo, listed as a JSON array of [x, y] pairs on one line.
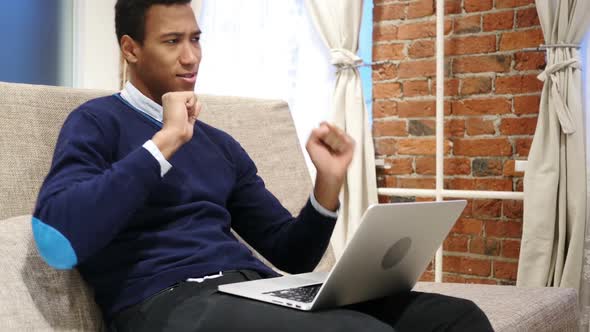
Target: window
[[487, 125], [267, 49]]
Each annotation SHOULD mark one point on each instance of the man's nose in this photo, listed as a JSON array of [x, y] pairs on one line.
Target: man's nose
[[189, 55]]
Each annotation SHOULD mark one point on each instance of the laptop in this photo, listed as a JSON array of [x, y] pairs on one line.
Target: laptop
[[388, 253]]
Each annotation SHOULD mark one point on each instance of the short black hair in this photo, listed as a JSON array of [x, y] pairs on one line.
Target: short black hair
[[130, 16]]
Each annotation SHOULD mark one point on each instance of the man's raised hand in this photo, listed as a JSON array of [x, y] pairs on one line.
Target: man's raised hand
[[181, 110], [331, 151]]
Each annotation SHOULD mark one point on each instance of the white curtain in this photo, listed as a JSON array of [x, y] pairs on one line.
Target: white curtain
[[267, 49], [555, 192], [338, 22], [584, 293]]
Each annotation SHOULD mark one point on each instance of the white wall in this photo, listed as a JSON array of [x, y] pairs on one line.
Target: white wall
[[96, 53], [66, 41], [96, 50]]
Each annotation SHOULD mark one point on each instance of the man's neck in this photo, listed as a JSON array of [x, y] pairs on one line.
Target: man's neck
[[139, 85]]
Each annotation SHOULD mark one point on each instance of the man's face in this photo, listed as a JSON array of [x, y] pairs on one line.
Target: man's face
[[170, 55]]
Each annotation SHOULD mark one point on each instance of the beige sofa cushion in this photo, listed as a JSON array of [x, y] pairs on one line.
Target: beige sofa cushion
[[31, 118], [515, 309], [34, 297]]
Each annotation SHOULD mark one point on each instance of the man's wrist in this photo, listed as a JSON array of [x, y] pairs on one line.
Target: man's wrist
[[327, 191], [322, 210], [165, 166], [167, 142]]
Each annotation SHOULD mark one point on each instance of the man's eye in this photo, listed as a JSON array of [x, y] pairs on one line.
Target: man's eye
[[171, 41], [195, 39]]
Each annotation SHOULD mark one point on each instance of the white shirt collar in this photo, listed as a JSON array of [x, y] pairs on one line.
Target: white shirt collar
[[138, 100]]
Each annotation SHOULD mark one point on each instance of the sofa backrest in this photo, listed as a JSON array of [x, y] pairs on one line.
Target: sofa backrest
[[32, 116], [37, 297]]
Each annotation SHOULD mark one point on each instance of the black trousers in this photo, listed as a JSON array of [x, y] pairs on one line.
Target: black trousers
[[190, 306]]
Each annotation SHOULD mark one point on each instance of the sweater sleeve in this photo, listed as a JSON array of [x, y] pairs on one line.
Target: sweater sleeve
[[86, 199], [294, 245]]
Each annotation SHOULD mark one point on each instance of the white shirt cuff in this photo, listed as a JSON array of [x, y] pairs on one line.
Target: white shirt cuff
[[320, 209], [152, 148]]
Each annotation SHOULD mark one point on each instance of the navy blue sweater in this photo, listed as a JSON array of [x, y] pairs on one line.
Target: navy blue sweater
[[105, 209]]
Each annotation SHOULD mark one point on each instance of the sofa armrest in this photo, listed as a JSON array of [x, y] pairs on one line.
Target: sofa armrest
[[35, 296]]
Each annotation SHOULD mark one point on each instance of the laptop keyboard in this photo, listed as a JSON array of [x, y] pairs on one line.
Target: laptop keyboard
[[304, 294]]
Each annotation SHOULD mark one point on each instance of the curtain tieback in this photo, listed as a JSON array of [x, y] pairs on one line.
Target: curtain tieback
[[564, 114], [344, 59]]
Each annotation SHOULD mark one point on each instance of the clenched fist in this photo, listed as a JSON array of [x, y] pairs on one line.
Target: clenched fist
[[181, 110], [331, 151]]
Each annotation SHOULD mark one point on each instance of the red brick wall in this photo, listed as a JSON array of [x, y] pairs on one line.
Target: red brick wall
[[491, 112]]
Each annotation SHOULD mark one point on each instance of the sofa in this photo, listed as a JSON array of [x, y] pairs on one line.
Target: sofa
[[35, 297]]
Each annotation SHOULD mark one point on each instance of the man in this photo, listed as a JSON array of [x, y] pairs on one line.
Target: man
[[141, 197]]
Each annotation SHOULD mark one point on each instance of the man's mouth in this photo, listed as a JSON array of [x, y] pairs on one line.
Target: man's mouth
[[189, 77]]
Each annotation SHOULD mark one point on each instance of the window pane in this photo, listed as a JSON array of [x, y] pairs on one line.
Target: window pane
[[492, 93]]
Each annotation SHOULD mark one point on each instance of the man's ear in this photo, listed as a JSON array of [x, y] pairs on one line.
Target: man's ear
[[130, 49]]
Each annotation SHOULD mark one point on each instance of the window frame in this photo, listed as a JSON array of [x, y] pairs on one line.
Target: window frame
[[439, 193]]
